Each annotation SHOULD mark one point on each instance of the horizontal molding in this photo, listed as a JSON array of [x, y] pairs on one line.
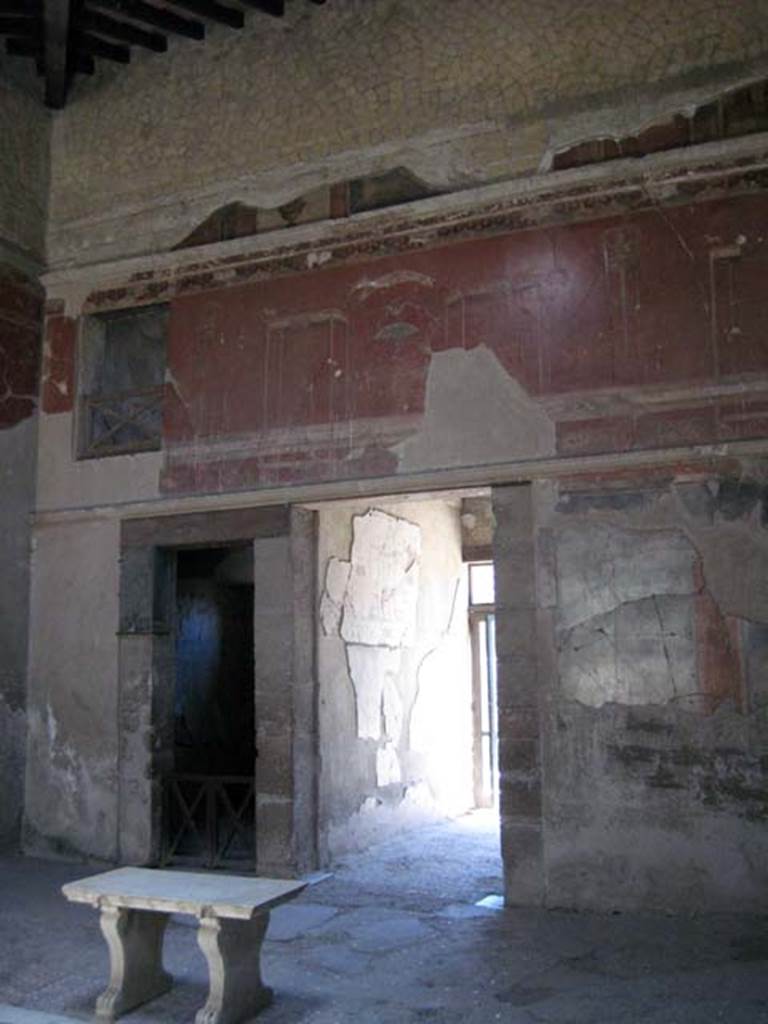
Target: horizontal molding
[[634, 183], [702, 457]]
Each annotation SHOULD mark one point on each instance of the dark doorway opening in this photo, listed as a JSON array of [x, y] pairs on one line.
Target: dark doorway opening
[[209, 805]]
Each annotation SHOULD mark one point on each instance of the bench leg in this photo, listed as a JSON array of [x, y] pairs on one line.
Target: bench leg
[[135, 940], [232, 950]]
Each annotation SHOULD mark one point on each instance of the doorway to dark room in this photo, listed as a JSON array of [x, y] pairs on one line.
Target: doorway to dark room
[[209, 802]]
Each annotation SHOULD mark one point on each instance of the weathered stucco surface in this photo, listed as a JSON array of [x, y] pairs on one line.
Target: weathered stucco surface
[[457, 93], [603, 325], [17, 484], [24, 172], [65, 482], [24, 164], [394, 670], [20, 329], [654, 692], [71, 787]]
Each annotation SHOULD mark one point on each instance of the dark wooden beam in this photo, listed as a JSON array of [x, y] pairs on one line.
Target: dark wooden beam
[[26, 8], [97, 47], [56, 14], [81, 63], [206, 528], [213, 11], [274, 7], [15, 26], [23, 47], [122, 31], [156, 17]]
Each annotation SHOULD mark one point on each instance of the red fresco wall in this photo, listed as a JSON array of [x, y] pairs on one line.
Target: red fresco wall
[[633, 332], [330, 368], [58, 384]]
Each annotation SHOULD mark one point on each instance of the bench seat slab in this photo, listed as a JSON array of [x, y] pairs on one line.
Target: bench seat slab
[[232, 950], [135, 941]]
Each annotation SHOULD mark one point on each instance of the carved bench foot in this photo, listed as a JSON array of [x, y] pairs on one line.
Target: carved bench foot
[[135, 941], [232, 950]]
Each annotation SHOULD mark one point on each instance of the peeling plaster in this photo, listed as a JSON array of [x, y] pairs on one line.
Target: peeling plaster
[[370, 602], [601, 567], [505, 420], [369, 668], [394, 712], [332, 602], [383, 586], [640, 113], [642, 652], [387, 765]]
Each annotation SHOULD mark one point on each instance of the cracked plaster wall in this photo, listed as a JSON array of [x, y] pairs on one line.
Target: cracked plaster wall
[[458, 93], [71, 779], [17, 445], [394, 669], [20, 316], [24, 131], [654, 633]]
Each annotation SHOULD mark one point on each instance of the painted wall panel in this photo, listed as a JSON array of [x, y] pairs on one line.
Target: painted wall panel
[[619, 334]]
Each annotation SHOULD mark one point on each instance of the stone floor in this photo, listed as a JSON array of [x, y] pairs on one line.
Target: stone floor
[[395, 937]]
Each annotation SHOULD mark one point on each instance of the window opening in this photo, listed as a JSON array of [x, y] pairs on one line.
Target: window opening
[[123, 358], [482, 619]]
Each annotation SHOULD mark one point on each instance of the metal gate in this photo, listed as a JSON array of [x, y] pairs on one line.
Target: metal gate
[[209, 821]]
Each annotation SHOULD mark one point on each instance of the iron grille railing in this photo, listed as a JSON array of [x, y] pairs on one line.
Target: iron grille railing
[[209, 821], [125, 421]]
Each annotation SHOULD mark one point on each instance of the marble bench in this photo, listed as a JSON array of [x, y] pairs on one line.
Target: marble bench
[[233, 914]]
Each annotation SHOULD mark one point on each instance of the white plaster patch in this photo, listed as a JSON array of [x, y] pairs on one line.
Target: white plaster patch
[[331, 605], [419, 795], [370, 669], [398, 277], [392, 706], [600, 567], [497, 420], [641, 653], [383, 586], [387, 766]]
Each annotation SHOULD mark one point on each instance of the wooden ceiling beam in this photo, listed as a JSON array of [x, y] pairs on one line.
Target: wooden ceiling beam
[[122, 31], [274, 7], [56, 15], [97, 47], [213, 11], [23, 47], [16, 26], [155, 17], [26, 8], [81, 63]]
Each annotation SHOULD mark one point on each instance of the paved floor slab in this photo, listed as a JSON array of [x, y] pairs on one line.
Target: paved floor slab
[[16, 1015], [384, 941]]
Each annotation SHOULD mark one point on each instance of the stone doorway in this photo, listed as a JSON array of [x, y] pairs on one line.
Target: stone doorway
[[209, 810], [169, 567], [404, 725]]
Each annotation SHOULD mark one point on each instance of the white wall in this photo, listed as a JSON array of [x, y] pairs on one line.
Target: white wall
[[394, 669]]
